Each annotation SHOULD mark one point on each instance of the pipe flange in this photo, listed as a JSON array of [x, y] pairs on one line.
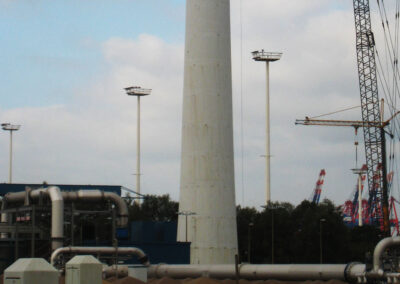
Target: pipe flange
[[347, 270]]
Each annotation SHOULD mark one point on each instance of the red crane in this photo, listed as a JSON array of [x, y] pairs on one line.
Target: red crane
[[316, 195]]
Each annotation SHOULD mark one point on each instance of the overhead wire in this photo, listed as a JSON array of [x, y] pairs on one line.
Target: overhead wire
[[241, 99], [389, 84], [334, 112]]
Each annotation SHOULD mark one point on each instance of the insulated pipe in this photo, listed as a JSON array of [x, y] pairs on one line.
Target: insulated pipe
[[101, 250], [57, 213], [379, 250], [98, 195], [9, 198], [57, 198], [120, 270], [260, 272]]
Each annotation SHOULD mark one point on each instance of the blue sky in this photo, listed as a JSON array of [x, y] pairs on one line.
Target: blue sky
[[48, 48], [64, 64]]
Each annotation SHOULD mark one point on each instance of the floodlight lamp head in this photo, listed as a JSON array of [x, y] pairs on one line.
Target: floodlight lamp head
[[359, 171], [266, 56], [137, 91], [10, 127]]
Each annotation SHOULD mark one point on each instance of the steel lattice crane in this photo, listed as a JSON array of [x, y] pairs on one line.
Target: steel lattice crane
[[372, 119], [376, 202], [374, 136]]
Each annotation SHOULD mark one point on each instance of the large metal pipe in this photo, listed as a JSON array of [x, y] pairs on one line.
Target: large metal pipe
[[57, 214], [98, 195], [290, 272], [101, 250], [378, 252], [57, 199], [57, 210]]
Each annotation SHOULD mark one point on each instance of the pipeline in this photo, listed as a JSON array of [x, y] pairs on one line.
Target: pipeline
[[98, 195], [120, 270], [57, 210], [101, 250], [288, 272], [57, 200]]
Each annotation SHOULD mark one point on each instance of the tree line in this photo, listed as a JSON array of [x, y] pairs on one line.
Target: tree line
[[281, 233]]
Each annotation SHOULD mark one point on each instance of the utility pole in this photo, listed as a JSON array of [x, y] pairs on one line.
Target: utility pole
[[360, 172], [320, 239], [267, 57], [138, 92], [251, 225], [272, 207], [10, 127]]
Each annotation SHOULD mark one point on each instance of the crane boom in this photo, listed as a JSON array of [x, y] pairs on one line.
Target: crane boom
[[374, 137], [376, 202]]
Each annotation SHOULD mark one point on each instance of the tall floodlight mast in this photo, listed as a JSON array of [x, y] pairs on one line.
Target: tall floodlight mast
[[374, 137], [267, 57], [10, 127], [138, 92]]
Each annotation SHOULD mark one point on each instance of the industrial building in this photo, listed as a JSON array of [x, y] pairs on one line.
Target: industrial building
[[37, 220]]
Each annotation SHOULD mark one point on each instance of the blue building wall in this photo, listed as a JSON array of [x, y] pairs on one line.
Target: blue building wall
[[157, 240], [16, 187]]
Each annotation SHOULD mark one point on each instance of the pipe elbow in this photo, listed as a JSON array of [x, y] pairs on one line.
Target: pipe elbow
[[122, 207], [55, 193], [142, 257], [380, 249], [56, 253]]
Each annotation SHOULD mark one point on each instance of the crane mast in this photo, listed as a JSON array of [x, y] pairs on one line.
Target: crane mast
[[374, 137]]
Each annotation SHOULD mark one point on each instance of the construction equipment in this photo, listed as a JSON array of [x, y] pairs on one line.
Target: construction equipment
[[316, 195], [372, 117], [379, 214]]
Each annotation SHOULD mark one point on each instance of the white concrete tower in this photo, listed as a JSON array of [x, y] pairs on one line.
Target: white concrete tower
[[207, 166]]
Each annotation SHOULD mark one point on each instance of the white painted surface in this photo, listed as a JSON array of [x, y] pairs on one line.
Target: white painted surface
[[267, 143], [31, 271], [207, 167], [360, 209], [138, 272], [83, 269]]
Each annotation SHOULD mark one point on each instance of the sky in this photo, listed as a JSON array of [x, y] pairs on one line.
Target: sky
[[64, 65]]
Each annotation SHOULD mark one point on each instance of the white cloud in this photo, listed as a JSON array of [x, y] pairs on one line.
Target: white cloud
[[92, 140]]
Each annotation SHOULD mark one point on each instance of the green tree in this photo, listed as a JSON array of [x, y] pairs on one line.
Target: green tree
[[154, 208]]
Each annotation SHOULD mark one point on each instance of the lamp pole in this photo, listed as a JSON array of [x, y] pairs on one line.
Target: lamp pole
[[267, 57], [138, 92], [251, 224], [272, 207], [320, 239], [360, 172], [11, 128], [186, 214]]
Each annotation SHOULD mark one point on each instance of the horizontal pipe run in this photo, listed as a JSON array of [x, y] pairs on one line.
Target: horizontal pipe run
[[101, 250], [57, 208], [120, 270], [260, 272], [80, 195], [98, 195]]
